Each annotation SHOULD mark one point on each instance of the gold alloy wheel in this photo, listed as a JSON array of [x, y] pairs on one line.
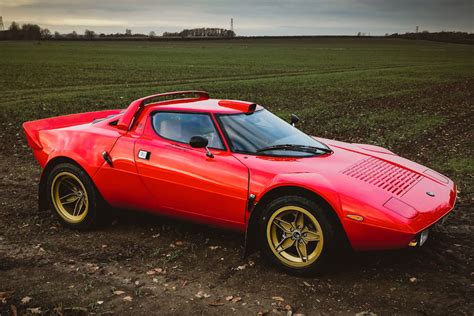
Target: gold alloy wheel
[[295, 236], [69, 197]]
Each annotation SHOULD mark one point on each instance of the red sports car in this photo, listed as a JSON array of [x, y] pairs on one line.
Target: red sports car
[[235, 165]]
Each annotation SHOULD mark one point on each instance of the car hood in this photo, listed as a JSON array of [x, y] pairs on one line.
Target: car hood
[[344, 156], [363, 176]]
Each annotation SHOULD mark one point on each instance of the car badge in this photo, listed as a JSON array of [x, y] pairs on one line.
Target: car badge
[[143, 154], [430, 193]]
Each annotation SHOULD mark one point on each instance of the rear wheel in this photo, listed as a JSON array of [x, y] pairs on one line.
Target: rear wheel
[[73, 196], [297, 234]]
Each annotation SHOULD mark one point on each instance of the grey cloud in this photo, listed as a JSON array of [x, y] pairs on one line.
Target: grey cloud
[[252, 17]]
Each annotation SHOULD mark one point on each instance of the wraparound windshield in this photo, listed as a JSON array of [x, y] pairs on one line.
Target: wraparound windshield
[[250, 133]]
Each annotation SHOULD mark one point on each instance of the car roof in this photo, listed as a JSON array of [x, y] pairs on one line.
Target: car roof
[[217, 106], [200, 103]]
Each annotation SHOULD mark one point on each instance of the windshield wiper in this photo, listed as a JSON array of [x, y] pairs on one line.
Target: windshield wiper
[[291, 147]]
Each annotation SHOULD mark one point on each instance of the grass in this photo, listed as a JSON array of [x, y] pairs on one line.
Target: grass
[[391, 92]]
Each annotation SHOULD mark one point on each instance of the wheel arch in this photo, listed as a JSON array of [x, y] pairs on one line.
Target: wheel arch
[[251, 237], [42, 196]]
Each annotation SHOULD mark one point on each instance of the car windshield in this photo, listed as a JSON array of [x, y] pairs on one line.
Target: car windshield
[[264, 133]]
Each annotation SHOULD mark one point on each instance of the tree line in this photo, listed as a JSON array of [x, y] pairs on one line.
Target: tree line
[[35, 32], [25, 32], [201, 32], [450, 37]]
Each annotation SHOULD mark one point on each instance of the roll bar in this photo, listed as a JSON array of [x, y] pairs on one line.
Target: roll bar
[[127, 120]]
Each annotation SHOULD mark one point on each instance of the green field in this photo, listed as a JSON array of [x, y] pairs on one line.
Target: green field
[[414, 97]]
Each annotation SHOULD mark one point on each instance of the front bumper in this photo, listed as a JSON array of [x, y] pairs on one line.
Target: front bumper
[[420, 239], [382, 228], [365, 236]]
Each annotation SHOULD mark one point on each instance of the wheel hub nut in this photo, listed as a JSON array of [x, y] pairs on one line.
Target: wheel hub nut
[[296, 235]]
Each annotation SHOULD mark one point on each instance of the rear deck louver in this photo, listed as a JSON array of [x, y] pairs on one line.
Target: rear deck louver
[[384, 175]]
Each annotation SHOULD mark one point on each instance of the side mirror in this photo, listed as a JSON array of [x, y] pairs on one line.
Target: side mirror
[[200, 142], [294, 119]]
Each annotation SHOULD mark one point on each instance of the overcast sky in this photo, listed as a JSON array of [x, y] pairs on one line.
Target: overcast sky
[[251, 17]]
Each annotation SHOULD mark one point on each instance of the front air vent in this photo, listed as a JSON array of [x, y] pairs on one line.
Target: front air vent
[[384, 175]]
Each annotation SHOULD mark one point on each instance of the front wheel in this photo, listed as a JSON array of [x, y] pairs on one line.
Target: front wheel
[[297, 234], [73, 196]]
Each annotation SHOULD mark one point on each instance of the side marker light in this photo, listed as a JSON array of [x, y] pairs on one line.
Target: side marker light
[[355, 217]]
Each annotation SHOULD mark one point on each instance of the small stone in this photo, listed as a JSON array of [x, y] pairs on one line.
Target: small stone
[[201, 294], [278, 298], [25, 300]]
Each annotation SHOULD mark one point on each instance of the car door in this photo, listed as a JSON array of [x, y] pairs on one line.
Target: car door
[[183, 180]]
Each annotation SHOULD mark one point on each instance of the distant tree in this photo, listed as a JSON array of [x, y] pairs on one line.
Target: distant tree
[[57, 34], [14, 27], [72, 35], [45, 34], [31, 32], [128, 32], [229, 33], [359, 34], [171, 34], [152, 34], [14, 31], [89, 34]]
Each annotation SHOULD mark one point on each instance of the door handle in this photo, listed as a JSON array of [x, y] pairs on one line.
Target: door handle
[[107, 158]]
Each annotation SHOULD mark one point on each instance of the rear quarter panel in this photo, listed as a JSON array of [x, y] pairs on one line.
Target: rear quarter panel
[[83, 144]]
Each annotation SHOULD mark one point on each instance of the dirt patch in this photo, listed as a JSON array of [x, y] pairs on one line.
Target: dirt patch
[[147, 264]]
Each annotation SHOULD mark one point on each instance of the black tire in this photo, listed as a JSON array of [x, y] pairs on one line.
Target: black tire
[[66, 176], [321, 253]]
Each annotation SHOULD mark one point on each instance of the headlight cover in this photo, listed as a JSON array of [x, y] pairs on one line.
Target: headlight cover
[[401, 208]]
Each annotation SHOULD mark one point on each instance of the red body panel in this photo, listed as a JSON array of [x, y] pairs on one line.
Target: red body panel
[[57, 136], [82, 143], [388, 191]]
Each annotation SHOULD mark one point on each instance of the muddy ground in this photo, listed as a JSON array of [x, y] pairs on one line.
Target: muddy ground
[[142, 264]]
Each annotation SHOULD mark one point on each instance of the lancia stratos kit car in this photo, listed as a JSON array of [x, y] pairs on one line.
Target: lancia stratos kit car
[[235, 165]]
